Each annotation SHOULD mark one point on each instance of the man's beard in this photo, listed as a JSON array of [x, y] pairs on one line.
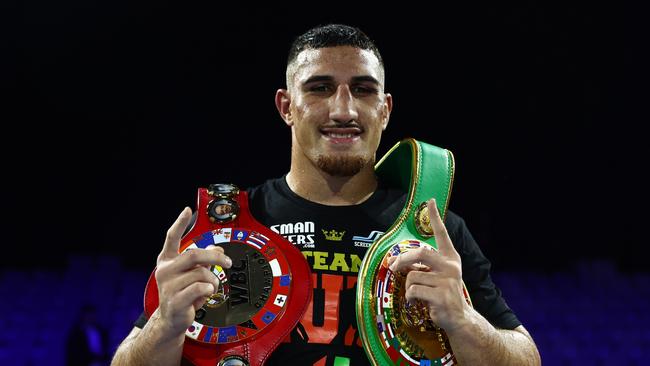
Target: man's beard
[[341, 166]]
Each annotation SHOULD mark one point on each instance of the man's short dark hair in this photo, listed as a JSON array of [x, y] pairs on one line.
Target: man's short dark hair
[[332, 35]]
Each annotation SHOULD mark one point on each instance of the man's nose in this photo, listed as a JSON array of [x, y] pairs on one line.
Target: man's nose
[[342, 106]]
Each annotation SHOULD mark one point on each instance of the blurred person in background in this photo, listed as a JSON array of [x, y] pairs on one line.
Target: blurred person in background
[[87, 343]]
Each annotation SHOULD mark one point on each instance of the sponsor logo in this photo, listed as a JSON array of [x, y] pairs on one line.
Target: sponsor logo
[[298, 233], [326, 261], [333, 235], [365, 241]]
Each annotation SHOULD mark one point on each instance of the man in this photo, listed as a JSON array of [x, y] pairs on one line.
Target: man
[[223, 210], [332, 206], [87, 341]]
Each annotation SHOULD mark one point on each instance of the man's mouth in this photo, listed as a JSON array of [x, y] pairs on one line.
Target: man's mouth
[[341, 135]]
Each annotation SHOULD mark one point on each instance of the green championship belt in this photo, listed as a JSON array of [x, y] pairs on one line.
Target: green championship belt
[[393, 331]]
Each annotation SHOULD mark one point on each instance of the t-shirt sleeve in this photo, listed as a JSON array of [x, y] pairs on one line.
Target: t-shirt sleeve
[[485, 295], [142, 320]]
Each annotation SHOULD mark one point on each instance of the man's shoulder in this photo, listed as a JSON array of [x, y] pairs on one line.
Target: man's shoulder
[[269, 183], [455, 225], [453, 220], [266, 198], [268, 186]]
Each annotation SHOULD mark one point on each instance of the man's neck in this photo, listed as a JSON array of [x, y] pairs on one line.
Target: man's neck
[[317, 186]]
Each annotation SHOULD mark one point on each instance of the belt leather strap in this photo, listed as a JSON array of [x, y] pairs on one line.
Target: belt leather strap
[[426, 172]]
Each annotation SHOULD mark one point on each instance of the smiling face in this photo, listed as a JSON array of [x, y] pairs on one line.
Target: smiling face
[[336, 108], [223, 209]]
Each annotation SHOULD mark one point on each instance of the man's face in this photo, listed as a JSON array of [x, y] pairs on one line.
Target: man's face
[[223, 209], [337, 108]]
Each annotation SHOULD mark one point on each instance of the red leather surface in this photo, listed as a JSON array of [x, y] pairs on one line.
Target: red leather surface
[[258, 348]]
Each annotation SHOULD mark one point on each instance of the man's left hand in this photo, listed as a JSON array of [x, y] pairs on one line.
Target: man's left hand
[[435, 276]]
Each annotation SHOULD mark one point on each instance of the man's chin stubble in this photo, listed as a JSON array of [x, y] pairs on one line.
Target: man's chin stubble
[[341, 166]]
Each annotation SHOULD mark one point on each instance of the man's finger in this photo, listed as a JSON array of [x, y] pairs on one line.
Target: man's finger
[[200, 257], [422, 278], [419, 292], [173, 239], [182, 280], [445, 245], [194, 294], [415, 258]]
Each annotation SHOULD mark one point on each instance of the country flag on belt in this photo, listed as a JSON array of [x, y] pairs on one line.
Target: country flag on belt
[[285, 280], [219, 272], [380, 323], [448, 359], [395, 250], [269, 251], [222, 235], [194, 330], [248, 324], [280, 300], [204, 240], [227, 334], [275, 267], [388, 286], [257, 240], [410, 359], [387, 300], [413, 244], [268, 317], [240, 235], [208, 334], [380, 293]]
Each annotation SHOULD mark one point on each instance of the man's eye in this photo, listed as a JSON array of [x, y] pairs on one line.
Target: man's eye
[[321, 88], [363, 90]]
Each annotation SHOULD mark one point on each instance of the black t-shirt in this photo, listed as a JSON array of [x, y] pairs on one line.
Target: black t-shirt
[[334, 240]]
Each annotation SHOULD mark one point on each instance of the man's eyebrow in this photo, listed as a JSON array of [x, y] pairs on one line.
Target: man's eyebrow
[[365, 78], [355, 79], [317, 78]]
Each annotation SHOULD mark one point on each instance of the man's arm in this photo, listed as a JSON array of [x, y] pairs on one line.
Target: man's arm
[[479, 343], [184, 281], [149, 346], [435, 277]]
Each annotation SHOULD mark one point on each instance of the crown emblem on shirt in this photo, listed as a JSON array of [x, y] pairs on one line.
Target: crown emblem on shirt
[[333, 235]]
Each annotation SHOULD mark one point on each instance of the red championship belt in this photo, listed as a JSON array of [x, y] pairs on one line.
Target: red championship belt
[[260, 298]]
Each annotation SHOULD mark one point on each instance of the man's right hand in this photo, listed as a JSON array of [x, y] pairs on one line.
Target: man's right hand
[[184, 280]]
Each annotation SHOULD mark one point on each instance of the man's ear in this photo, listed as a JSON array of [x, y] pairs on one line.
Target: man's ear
[[387, 108], [283, 104]]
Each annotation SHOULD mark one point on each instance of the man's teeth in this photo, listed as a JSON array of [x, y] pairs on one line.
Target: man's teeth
[[341, 135]]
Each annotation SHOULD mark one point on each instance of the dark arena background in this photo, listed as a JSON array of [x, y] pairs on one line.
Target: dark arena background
[[117, 112]]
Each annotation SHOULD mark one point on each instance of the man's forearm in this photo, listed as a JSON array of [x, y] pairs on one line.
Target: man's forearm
[[149, 346], [479, 343]]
